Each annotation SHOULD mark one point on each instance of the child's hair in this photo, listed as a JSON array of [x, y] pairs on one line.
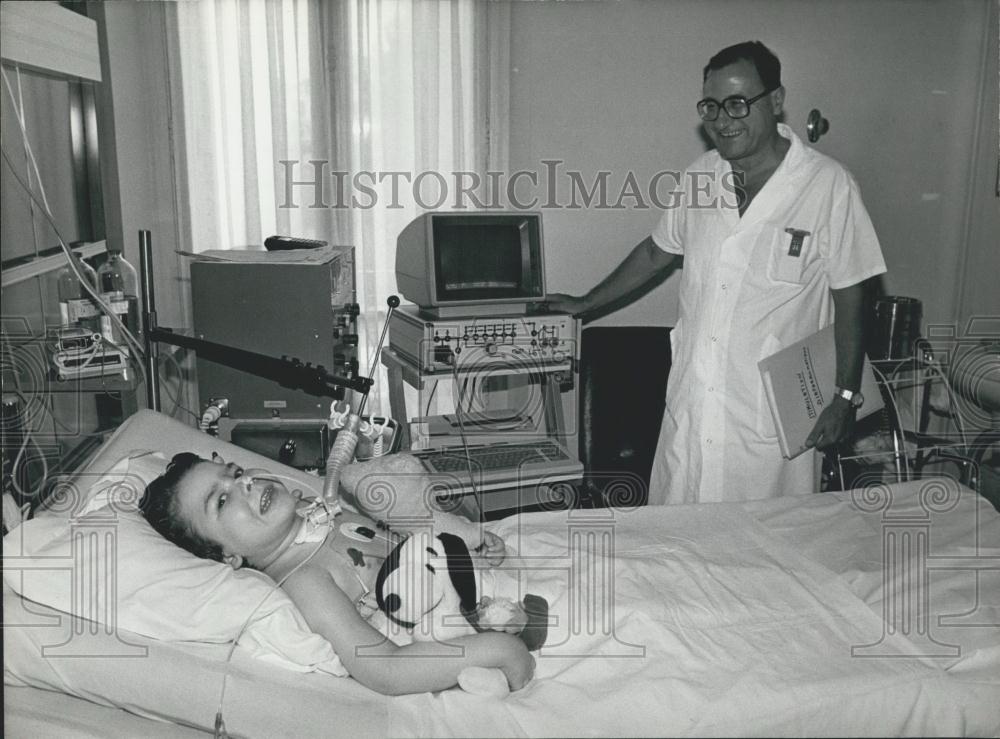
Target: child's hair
[[159, 506]]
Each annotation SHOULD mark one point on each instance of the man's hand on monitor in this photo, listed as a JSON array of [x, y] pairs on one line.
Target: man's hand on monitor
[[562, 303]]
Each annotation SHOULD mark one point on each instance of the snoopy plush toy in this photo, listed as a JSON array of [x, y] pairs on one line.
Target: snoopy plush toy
[[429, 586]]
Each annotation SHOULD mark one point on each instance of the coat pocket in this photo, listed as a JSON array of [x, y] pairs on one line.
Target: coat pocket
[[790, 254]]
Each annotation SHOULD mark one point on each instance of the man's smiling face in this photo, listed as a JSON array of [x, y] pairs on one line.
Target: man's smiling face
[[741, 138]]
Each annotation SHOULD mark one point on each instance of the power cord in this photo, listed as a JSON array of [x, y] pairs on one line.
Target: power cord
[[133, 343], [43, 204], [220, 724], [899, 444], [180, 376], [465, 440]]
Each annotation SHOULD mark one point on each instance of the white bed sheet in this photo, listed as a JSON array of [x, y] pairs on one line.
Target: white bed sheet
[[744, 635], [31, 712], [745, 616]]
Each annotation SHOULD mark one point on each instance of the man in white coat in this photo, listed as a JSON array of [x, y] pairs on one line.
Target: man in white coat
[[776, 243]]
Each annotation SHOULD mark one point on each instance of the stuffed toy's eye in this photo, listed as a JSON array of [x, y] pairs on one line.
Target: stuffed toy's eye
[[392, 603]]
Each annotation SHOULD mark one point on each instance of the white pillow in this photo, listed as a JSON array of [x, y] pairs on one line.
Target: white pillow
[[107, 564], [123, 484]]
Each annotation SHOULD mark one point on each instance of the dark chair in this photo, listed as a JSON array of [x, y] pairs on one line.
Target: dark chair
[[623, 379]]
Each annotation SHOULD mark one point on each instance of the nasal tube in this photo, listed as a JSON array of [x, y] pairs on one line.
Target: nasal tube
[[340, 456]]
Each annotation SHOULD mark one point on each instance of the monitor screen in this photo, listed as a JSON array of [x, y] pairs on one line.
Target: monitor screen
[[475, 261], [464, 262]]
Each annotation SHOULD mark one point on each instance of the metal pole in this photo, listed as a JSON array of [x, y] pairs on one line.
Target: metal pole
[[148, 319]]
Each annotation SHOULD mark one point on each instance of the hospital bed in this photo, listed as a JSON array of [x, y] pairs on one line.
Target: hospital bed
[[872, 612]]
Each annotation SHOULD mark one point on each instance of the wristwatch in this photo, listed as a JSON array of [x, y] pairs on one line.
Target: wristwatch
[[855, 398]]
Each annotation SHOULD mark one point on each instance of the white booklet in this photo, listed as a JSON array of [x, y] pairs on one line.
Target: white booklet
[[799, 381]]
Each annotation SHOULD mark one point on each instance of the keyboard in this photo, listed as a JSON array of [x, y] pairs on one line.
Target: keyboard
[[504, 465]]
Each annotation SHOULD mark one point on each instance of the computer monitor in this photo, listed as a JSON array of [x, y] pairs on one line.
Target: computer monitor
[[461, 264]]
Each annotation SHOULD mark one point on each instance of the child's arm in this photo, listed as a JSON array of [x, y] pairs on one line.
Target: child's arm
[[379, 664]]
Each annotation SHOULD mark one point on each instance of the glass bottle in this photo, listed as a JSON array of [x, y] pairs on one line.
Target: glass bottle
[[119, 287], [117, 277], [69, 288]]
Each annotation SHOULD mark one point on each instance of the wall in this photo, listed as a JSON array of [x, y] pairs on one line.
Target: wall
[[979, 295], [137, 162], [612, 86], [138, 168]]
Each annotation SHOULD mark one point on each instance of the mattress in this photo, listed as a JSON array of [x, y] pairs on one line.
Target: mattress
[[862, 613]]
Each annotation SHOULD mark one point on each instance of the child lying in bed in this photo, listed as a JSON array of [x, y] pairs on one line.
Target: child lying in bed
[[249, 518]]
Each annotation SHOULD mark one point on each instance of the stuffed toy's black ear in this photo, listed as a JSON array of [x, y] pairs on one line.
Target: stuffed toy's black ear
[[389, 603], [536, 631], [463, 575]]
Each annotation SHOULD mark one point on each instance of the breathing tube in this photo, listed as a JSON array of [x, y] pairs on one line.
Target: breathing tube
[[340, 456]]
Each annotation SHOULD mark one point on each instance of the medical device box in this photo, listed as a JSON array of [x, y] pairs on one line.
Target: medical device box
[[518, 343], [270, 304]]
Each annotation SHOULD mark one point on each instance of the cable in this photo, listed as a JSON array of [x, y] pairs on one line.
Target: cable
[[16, 378], [55, 419], [347, 439], [91, 354], [47, 213], [430, 397], [465, 442], [220, 725], [19, 112], [133, 343], [895, 411], [180, 377], [952, 410], [17, 461]]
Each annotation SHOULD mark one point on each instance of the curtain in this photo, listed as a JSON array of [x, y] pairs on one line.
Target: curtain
[[379, 101]]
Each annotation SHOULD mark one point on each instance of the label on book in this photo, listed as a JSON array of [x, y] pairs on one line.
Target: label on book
[[799, 382]]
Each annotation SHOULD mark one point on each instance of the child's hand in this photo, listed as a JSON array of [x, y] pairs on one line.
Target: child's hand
[[493, 548], [501, 614]]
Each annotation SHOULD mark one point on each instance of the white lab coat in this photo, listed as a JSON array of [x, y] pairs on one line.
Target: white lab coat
[[743, 297]]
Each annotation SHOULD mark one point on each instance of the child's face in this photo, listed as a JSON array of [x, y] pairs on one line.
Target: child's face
[[248, 513]]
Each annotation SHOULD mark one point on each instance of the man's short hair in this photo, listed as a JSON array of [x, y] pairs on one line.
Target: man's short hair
[[767, 64], [160, 507]]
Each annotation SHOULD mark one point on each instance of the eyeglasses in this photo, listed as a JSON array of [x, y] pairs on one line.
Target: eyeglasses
[[736, 106]]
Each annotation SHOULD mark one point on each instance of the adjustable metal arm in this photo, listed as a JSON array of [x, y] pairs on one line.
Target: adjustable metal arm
[[288, 372], [291, 373]]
